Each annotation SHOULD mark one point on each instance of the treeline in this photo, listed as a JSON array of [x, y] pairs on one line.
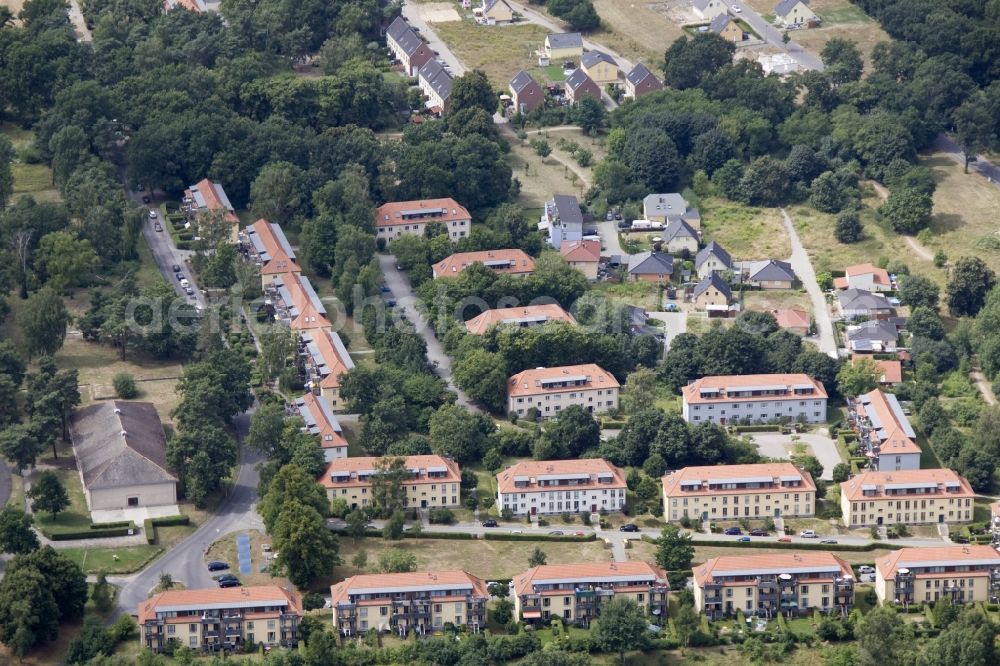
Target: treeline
[[580, 14]]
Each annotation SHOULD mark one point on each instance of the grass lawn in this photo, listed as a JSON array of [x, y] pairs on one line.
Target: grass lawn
[[499, 51], [541, 178], [16, 498], [33, 179], [487, 559], [553, 73], [96, 560], [76, 516], [776, 300], [745, 231]]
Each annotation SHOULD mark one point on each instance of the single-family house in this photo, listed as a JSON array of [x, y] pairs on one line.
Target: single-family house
[[872, 336], [564, 46], [583, 255], [436, 84], [563, 219], [121, 453], [398, 218], [797, 321], [664, 208], [407, 47], [526, 93], [497, 11], [725, 26], [767, 274], [855, 303], [712, 258], [512, 261], [679, 237], [600, 67], [890, 372], [650, 266], [864, 276], [266, 245], [318, 419], [709, 9], [578, 85], [712, 294], [794, 13], [206, 200], [640, 81]]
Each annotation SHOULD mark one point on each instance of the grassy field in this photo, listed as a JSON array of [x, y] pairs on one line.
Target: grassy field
[[635, 30], [746, 232], [33, 179], [97, 560], [499, 51], [553, 73], [76, 516], [775, 300], [487, 559], [643, 550], [540, 179]]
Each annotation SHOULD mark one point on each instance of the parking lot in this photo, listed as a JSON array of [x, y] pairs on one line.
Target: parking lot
[[776, 445]]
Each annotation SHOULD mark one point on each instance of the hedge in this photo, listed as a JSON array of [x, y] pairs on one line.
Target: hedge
[[108, 526], [761, 427], [875, 545], [88, 534], [150, 524], [459, 536]]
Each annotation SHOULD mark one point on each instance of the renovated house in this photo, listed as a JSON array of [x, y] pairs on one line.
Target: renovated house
[[794, 14], [961, 574], [798, 322], [680, 237], [563, 219], [295, 303], [709, 9], [855, 303], [750, 399], [522, 317], [650, 266], [712, 258], [908, 497], [866, 277], [542, 487], [266, 246], [665, 208], [317, 414], [497, 11], [526, 93], [407, 47], [550, 390], [121, 454], [436, 84], [324, 362], [583, 255], [884, 431], [433, 480], [208, 201], [732, 492], [563, 46], [712, 294], [578, 85], [872, 336], [640, 81], [397, 218], [767, 274], [600, 67], [725, 26], [514, 262]]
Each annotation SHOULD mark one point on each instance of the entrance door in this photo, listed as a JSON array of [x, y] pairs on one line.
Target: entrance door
[[534, 510], [777, 513], [704, 515], [722, 420], [879, 522], [941, 518], [593, 508], [423, 504]]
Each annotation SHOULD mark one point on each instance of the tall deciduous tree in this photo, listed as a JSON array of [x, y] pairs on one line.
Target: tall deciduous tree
[[674, 551], [472, 91], [291, 485], [622, 626], [971, 280], [20, 446], [48, 494], [66, 260], [975, 127], [460, 434], [305, 544], [842, 59], [884, 639], [43, 322], [16, 535], [7, 155], [858, 377], [907, 210]]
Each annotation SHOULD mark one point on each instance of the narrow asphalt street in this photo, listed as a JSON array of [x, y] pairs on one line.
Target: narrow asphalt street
[[411, 12], [983, 167], [406, 301], [803, 268], [773, 36]]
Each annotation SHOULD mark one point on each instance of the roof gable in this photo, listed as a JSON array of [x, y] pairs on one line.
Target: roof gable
[[713, 280], [785, 6], [678, 228], [720, 22], [521, 81], [713, 249], [564, 40], [592, 58], [650, 262]]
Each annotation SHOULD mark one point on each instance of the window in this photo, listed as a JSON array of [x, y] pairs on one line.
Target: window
[[171, 629], [193, 641], [384, 610], [133, 501], [193, 628], [270, 637]]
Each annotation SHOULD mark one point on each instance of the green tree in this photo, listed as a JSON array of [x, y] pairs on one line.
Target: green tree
[[92, 641], [29, 615], [686, 623], [622, 626], [970, 281], [291, 485], [360, 560], [907, 210], [674, 551], [975, 127], [967, 639], [841, 473], [357, 523], [573, 432], [7, 155], [66, 261], [810, 464], [537, 557], [503, 612], [640, 391], [48, 494], [925, 323], [589, 114], [43, 322], [459, 434], [396, 560], [483, 377], [102, 596], [884, 639], [472, 90], [279, 193], [541, 148], [16, 535], [388, 490], [305, 545], [849, 228], [20, 446], [918, 291], [124, 385], [652, 157], [393, 529], [842, 60], [858, 377], [689, 61]]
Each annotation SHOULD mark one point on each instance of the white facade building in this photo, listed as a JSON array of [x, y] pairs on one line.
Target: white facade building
[[561, 486], [730, 399]]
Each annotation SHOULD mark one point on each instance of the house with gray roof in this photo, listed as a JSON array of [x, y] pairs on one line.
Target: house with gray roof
[[680, 237], [563, 46], [872, 336], [855, 303], [725, 26], [664, 208], [436, 84], [650, 266], [121, 454], [713, 294], [563, 219], [600, 67], [767, 274], [712, 258], [794, 13], [578, 86], [497, 11], [526, 93], [407, 47], [708, 9], [640, 81]]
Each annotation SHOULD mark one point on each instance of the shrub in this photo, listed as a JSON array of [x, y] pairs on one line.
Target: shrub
[[313, 600], [124, 384], [441, 516]]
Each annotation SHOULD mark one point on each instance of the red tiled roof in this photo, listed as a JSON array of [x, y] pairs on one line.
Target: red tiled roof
[[417, 580], [853, 488], [940, 555], [527, 382], [391, 214], [774, 563], [197, 599], [584, 572], [213, 201], [692, 392], [892, 371], [550, 311], [363, 463], [535, 468], [519, 262], [329, 437], [719, 473], [792, 318], [581, 251], [279, 261], [879, 275]]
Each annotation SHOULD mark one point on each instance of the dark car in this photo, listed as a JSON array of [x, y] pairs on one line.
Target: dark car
[[829, 542], [176, 268], [758, 532], [216, 565], [743, 539], [557, 533], [189, 291], [145, 200], [230, 583], [629, 527], [179, 276], [227, 577], [390, 303], [489, 522], [733, 531]]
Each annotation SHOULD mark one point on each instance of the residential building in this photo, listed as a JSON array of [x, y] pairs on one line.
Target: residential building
[[221, 618], [583, 255], [884, 432], [295, 302], [420, 601], [855, 303], [891, 371], [872, 336], [731, 492], [578, 85], [778, 63], [640, 81], [522, 317], [265, 244], [563, 219], [767, 274], [650, 266], [526, 93], [680, 237], [600, 67], [324, 362], [407, 47], [563, 46], [514, 262], [724, 399], [798, 322], [866, 277], [962, 574], [995, 522], [709, 9], [793, 583], [665, 208], [317, 414], [725, 26], [712, 294], [576, 592], [909, 497], [794, 13], [497, 11], [411, 218], [542, 487], [193, 6], [550, 390], [121, 454], [435, 82], [712, 258], [434, 480], [206, 200]]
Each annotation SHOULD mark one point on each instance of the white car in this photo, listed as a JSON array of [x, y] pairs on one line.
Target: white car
[[737, 9], [807, 534], [185, 283], [152, 214], [866, 569]]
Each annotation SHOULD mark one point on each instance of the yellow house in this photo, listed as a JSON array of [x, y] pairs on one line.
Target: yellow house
[[497, 11], [600, 67], [790, 13], [963, 574], [434, 481], [712, 293], [909, 497], [563, 46], [725, 26], [731, 492]]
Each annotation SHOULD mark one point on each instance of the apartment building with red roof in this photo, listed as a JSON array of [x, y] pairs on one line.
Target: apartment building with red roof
[[296, 303], [884, 431], [521, 317], [541, 487], [316, 412], [551, 390], [326, 361], [962, 574], [512, 262], [733, 399], [910, 497], [206, 196], [266, 246], [433, 481], [410, 218]]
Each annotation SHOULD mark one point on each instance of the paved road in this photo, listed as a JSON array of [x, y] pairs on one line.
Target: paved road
[[802, 266], [5, 483], [774, 37], [79, 24], [776, 445], [402, 292], [674, 323], [609, 234], [411, 13], [983, 167]]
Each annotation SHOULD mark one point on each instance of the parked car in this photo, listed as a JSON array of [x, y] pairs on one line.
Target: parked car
[[384, 289], [227, 576], [152, 214], [785, 539], [517, 531], [578, 534], [829, 542], [265, 547], [808, 534], [737, 9], [176, 268], [184, 282], [743, 539], [189, 291], [866, 569], [671, 307], [230, 583], [733, 531], [217, 565], [489, 522], [629, 527], [390, 303], [758, 532], [157, 227], [179, 276], [557, 533]]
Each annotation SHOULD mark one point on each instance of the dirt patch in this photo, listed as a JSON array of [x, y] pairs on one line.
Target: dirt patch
[[438, 12], [637, 30], [13, 5], [867, 35], [776, 300], [557, 173]]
